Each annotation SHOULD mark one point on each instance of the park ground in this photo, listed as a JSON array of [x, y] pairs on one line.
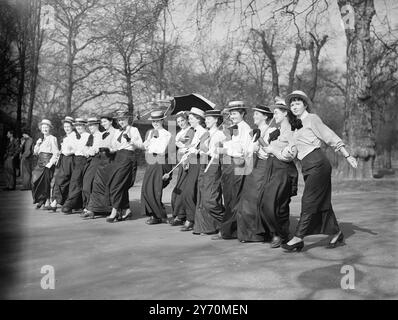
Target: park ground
[[93, 259]]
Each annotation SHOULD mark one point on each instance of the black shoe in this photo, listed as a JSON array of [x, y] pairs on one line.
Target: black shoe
[[187, 227], [66, 210], [298, 246], [177, 222], [111, 220], [39, 205], [276, 242], [153, 220], [127, 216], [338, 242], [88, 215]]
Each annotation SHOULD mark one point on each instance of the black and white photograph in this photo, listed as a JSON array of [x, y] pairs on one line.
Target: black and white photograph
[[200, 156]]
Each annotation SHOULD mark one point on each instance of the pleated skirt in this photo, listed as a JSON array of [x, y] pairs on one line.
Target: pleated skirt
[[89, 172]]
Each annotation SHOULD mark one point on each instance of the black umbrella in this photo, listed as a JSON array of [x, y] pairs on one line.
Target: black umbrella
[[186, 102]]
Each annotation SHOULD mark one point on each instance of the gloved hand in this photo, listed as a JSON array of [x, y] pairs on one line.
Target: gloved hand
[[49, 165]]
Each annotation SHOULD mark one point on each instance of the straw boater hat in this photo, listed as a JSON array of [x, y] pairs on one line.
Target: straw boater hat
[[197, 112], [298, 94], [68, 120], [280, 104], [233, 105], [156, 115], [262, 109], [213, 113], [80, 121], [47, 122], [93, 120]]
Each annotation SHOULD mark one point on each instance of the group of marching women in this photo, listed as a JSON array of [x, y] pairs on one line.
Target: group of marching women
[[233, 182]]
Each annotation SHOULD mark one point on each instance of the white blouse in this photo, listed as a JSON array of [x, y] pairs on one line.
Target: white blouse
[[217, 137], [108, 139], [68, 142], [239, 145], [158, 145], [48, 145], [135, 139], [180, 136], [93, 150], [80, 147]]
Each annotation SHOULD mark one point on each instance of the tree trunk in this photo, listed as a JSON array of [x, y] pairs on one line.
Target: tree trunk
[[37, 36], [293, 69], [387, 158], [129, 94], [22, 71], [69, 88], [358, 129]]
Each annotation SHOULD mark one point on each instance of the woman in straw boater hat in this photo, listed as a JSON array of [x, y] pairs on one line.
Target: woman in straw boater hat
[[182, 140], [46, 148], [246, 212], [64, 168], [189, 188], [82, 142], [123, 169], [209, 207], [92, 160], [99, 199], [317, 215], [156, 143], [234, 168], [280, 178]]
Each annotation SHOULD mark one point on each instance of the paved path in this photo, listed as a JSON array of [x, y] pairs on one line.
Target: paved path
[[93, 259]]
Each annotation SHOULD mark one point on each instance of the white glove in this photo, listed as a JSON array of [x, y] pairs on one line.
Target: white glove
[[49, 165]]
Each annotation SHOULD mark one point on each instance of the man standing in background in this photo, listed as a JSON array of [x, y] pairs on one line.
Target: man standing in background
[[10, 161], [26, 160]]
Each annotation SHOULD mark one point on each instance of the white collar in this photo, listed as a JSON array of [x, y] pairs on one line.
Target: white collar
[[304, 115]]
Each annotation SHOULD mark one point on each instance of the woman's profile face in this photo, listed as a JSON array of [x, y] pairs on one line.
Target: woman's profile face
[[68, 127], [279, 115], [157, 124], [123, 122], [211, 122], [80, 128], [236, 116], [182, 122], [297, 106], [193, 121], [259, 117], [45, 129], [106, 123]]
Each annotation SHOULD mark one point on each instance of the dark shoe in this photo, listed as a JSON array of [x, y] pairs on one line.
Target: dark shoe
[[338, 242], [276, 242], [197, 233], [127, 216], [297, 246], [39, 205], [66, 210], [177, 222], [77, 210], [188, 226], [210, 233], [88, 215], [115, 218], [153, 220]]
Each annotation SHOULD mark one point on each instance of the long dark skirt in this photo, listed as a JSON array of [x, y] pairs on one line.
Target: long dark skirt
[[274, 198], [75, 197], [152, 189], [317, 214], [209, 208], [232, 184], [10, 172], [177, 203], [247, 213], [100, 201], [62, 178], [122, 178], [41, 179], [88, 177], [189, 191], [26, 165]]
